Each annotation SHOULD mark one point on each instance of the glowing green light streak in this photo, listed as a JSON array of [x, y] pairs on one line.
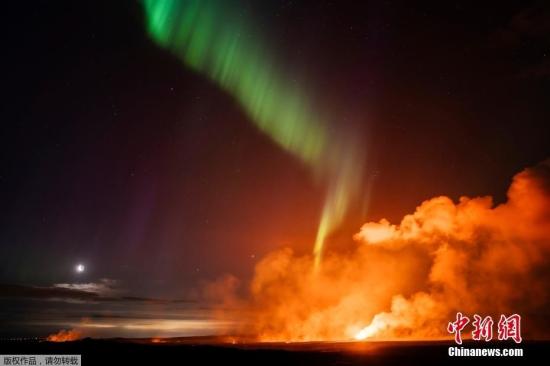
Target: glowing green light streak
[[216, 40]]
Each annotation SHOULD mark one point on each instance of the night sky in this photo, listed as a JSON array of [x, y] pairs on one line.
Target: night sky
[[116, 155]]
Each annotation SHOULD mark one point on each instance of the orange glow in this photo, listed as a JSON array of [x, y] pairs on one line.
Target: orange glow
[[406, 281], [64, 336]]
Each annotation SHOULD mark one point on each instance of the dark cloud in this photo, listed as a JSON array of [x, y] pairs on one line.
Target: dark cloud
[[533, 21], [526, 37], [46, 293], [529, 23], [74, 293]]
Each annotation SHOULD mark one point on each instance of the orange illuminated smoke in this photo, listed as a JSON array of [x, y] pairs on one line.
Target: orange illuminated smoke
[[407, 280], [64, 336]]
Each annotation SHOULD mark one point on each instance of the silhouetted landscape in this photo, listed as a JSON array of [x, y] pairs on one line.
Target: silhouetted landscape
[[208, 350]]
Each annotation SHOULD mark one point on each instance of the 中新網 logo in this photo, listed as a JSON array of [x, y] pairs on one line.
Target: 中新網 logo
[[508, 327]]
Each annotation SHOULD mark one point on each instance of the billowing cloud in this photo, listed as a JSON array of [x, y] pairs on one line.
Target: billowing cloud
[[407, 280]]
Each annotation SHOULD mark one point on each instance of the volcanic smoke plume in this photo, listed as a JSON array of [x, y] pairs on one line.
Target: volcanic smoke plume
[[408, 280], [64, 336]]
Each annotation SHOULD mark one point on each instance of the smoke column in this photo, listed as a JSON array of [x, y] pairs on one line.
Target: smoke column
[[409, 279], [215, 39]]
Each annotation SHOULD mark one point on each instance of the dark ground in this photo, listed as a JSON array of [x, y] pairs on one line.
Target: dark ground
[[207, 352]]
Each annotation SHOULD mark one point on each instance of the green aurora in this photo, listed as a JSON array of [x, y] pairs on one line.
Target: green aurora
[[216, 40]]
